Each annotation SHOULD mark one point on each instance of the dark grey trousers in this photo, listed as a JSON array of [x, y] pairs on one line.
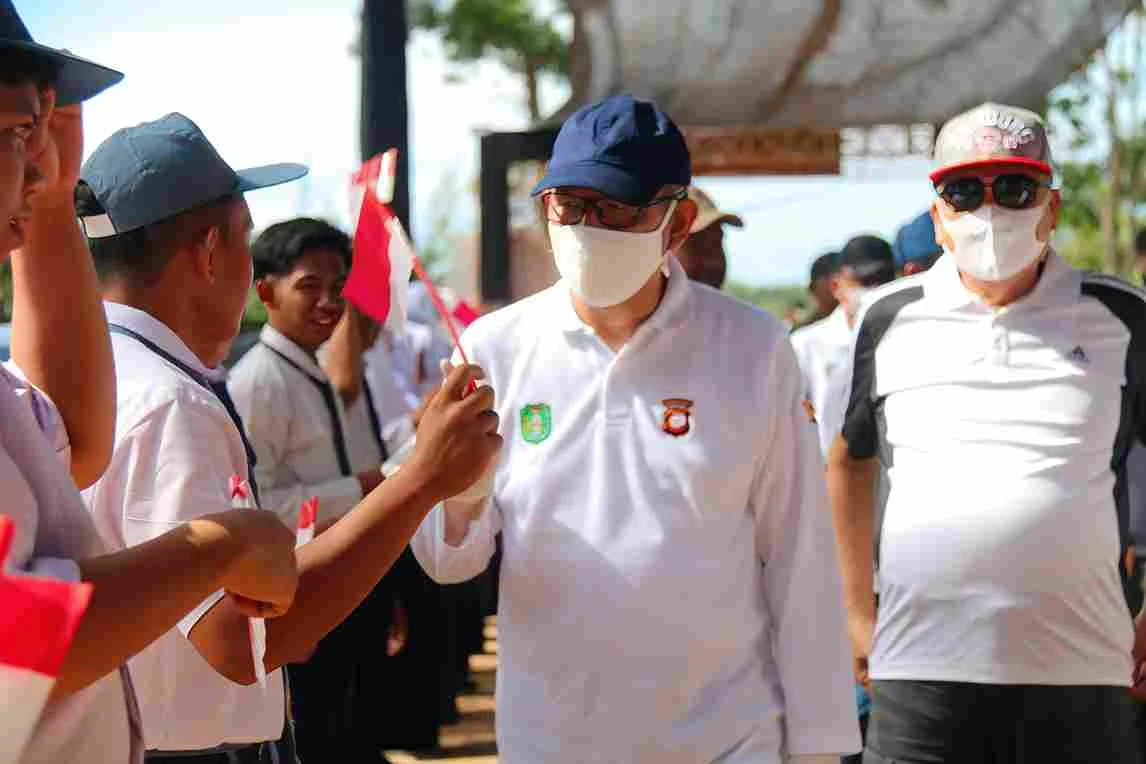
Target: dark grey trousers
[[915, 722]]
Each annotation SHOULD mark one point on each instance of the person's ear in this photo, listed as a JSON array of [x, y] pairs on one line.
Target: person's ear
[[942, 238], [1050, 219], [266, 292], [206, 254], [677, 229]]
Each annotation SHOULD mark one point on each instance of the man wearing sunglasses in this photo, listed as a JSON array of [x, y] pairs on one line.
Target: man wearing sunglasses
[[1002, 389], [663, 593]]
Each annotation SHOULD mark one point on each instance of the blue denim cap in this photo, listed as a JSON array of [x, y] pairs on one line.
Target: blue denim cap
[[155, 170], [621, 147], [78, 79]]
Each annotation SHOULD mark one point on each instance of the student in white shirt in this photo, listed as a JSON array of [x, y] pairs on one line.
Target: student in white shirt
[[175, 265], [1002, 390], [51, 422], [299, 430], [664, 593]]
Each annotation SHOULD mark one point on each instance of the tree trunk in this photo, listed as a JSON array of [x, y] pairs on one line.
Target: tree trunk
[[531, 72], [1112, 201]]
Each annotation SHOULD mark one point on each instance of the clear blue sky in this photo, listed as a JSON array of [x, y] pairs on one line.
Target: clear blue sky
[[275, 81]]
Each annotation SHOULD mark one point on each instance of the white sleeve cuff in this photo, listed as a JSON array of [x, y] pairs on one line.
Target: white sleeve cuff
[[187, 623]]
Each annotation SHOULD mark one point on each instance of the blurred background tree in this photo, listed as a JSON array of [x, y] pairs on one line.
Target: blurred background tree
[[1097, 117], [513, 32]]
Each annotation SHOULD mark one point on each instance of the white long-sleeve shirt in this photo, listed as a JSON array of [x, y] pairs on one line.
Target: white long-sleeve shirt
[[290, 420], [669, 591]]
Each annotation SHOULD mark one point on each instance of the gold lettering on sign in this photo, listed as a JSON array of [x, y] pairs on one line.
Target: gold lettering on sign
[[763, 151]]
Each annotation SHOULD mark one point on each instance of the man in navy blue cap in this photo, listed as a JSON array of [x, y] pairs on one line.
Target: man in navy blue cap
[[57, 405], [663, 595], [169, 228]]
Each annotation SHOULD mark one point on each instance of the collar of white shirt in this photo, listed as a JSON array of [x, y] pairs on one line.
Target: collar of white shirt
[[672, 306], [276, 340], [1058, 284], [151, 328]]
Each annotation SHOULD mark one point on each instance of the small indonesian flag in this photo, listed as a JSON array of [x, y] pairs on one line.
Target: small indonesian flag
[[307, 517], [38, 621], [256, 627], [383, 255]]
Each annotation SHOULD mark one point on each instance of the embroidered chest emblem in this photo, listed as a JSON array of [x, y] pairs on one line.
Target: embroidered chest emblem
[[677, 420], [536, 422], [1078, 355]]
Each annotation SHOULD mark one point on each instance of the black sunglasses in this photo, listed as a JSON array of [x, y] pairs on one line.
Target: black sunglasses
[[1014, 191], [567, 209]]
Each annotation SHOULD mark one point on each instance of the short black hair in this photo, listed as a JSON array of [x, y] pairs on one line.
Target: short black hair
[[19, 66], [142, 253], [870, 258], [1140, 242], [280, 246], [825, 266]]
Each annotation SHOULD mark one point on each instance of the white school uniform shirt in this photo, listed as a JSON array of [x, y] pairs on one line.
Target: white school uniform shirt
[[822, 348], [278, 390], [175, 451], [393, 404], [1005, 435], [100, 723], [669, 590]]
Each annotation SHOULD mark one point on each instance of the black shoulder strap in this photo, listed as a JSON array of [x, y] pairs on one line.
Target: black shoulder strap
[[328, 394]]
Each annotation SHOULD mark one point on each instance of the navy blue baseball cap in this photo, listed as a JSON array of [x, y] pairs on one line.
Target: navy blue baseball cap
[[77, 79], [149, 172], [624, 148]]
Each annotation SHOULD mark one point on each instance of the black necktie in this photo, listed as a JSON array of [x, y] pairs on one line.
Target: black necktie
[[327, 391]]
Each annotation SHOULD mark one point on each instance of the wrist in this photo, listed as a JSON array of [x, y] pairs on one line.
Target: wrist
[[417, 486], [217, 537]]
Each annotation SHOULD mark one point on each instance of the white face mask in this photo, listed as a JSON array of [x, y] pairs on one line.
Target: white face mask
[[994, 243], [606, 267]]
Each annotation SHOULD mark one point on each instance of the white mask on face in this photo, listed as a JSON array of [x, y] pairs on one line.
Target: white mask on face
[[606, 267], [994, 243]]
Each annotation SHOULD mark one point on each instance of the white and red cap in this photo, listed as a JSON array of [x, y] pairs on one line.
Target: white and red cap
[[991, 135]]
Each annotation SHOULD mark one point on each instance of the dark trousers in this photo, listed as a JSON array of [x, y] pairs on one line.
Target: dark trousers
[[960, 723], [332, 693]]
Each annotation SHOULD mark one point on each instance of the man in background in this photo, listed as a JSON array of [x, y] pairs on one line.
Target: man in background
[[915, 247], [702, 254], [820, 287]]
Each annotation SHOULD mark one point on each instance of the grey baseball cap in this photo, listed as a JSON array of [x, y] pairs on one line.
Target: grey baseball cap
[[992, 134], [149, 172]]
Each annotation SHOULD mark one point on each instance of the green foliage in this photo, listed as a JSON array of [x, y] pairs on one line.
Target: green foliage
[[506, 29], [776, 300], [256, 313]]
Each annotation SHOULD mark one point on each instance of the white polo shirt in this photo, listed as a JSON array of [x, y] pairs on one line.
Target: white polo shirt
[[296, 424], [822, 349], [53, 532], [1005, 435], [669, 589], [176, 449]]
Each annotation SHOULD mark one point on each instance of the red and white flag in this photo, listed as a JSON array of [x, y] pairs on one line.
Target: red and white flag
[[383, 255], [307, 517], [38, 621], [256, 627]]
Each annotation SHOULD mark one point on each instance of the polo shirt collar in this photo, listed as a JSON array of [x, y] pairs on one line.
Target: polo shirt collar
[[151, 328], [276, 340], [674, 302], [1058, 284]]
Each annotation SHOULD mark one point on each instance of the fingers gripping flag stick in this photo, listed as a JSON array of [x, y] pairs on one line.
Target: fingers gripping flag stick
[[307, 517], [256, 627], [383, 255], [39, 618]]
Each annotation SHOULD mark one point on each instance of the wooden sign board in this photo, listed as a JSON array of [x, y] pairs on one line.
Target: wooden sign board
[[763, 151]]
